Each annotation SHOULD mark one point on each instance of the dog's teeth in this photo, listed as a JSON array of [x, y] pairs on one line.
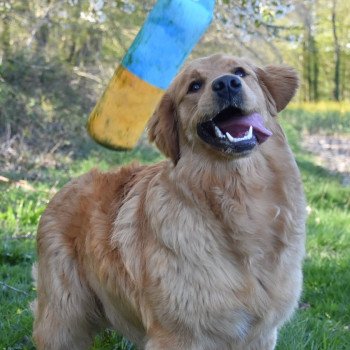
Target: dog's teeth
[[232, 139], [247, 136], [218, 133], [250, 132]]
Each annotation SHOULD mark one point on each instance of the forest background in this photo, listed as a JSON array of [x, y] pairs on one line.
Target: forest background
[[56, 57]]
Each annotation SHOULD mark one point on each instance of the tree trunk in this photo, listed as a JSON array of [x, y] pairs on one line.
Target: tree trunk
[[314, 67], [307, 70], [5, 38], [306, 12], [336, 94]]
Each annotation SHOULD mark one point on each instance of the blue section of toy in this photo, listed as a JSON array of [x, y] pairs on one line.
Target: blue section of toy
[[168, 35]]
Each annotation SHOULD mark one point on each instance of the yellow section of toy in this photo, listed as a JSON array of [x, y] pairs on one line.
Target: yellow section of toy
[[120, 116]]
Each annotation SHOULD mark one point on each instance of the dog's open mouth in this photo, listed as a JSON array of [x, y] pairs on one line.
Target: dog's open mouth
[[234, 132]]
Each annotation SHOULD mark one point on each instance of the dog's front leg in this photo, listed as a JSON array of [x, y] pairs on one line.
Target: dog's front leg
[[264, 342]]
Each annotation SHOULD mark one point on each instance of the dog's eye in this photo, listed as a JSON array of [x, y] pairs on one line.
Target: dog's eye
[[194, 86], [240, 72]]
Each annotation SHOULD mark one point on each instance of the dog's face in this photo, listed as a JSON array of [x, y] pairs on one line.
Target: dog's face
[[222, 105]]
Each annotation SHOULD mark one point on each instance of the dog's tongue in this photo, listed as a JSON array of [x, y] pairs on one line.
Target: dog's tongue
[[238, 126]]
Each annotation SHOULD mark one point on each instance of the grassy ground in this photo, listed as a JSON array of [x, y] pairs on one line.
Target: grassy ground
[[323, 323]]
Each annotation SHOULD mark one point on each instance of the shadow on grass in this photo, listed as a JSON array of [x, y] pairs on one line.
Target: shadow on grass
[[310, 168]]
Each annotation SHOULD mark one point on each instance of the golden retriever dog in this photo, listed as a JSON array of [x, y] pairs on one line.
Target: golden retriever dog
[[202, 251]]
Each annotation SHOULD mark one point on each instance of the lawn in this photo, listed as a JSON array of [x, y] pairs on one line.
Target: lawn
[[322, 323]]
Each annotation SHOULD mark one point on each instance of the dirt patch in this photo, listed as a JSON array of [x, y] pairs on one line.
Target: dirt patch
[[332, 152]]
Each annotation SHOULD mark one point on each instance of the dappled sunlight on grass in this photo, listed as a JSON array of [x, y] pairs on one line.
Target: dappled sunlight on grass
[[342, 107], [325, 117]]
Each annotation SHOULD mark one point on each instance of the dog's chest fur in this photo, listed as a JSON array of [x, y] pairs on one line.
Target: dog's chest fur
[[212, 265]]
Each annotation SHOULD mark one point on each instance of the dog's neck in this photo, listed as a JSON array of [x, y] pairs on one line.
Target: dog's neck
[[195, 172], [196, 166], [196, 178]]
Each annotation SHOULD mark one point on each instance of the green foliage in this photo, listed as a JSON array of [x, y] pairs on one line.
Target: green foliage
[[307, 41], [35, 94], [93, 35], [43, 111]]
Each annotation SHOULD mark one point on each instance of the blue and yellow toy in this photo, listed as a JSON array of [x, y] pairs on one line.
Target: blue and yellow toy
[[168, 35]]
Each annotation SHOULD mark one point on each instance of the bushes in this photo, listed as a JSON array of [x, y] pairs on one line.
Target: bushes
[[43, 109]]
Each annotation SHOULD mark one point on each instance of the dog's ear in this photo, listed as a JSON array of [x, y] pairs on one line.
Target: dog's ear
[[281, 82], [163, 128]]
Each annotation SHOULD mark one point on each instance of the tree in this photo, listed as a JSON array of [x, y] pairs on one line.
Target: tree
[[336, 52], [307, 13]]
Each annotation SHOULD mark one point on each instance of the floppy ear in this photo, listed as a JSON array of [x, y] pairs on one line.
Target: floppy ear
[[281, 82], [163, 129]]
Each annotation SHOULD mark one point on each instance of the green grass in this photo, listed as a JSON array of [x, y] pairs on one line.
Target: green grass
[[325, 325], [20, 210]]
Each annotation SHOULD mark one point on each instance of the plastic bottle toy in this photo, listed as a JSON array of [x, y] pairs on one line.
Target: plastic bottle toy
[[170, 32]]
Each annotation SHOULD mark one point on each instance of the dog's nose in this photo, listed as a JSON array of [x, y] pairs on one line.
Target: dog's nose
[[226, 86]]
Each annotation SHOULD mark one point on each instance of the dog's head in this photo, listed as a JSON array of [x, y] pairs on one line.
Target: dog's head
[[222, 105]]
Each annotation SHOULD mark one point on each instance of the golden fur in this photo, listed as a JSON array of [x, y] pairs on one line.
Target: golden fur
[[199, 252]]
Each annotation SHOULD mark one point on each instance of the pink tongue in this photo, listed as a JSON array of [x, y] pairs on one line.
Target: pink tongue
[[237, 127]]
